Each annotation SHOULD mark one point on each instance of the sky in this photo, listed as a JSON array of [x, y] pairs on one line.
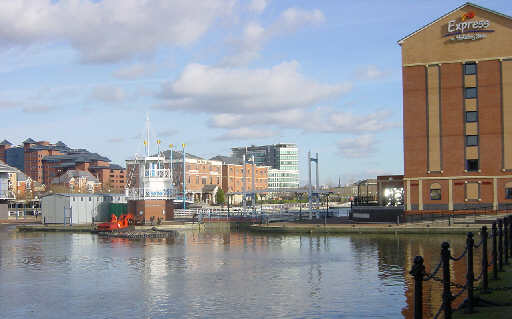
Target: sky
[[214, 74]]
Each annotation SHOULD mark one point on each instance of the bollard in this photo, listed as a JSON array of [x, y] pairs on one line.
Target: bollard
[[506, 222], [494, 251], [485, 262], [447, 295], [500, 244], [510, 235], [470, 276], [418, 271]]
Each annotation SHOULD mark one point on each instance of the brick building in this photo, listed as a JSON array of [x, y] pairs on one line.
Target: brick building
[[457, 112], [43, 162], [201, 174]]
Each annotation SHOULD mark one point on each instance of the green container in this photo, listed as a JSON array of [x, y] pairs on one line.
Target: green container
[[117, 209]]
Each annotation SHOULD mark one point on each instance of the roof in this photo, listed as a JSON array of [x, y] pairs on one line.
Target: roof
[[227, 159], [178, 155], [5, 142], [29, 140], [447, 14], [4, 168], [68, 175], [115, 166]]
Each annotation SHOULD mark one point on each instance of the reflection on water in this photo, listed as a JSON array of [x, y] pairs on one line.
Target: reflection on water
[[215, 274]]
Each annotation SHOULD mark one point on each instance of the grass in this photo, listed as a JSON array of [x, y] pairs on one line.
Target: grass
[[499, 297]]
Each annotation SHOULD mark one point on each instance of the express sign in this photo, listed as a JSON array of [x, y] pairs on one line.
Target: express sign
[[468, 30]]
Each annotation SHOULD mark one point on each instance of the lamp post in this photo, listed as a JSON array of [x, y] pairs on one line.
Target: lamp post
[[327, 211], [184, 189]]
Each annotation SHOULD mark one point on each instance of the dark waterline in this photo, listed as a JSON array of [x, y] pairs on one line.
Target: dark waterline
[[214, 274]]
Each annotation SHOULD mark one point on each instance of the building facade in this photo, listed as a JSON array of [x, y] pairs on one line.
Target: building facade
[[149, 190], [457, 112], [283, 160], [202, 177]]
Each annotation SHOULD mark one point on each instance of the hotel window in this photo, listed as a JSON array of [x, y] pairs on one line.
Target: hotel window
[[508, 190], [469, 68], [471, 116], [472, 165], [435, 191], [471, 140], [469, 93]]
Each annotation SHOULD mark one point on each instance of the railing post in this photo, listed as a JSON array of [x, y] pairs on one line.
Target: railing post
[[510, 235], [418, 271], [494, 251], [485, 262], [447, 295], [506, 222], [500, 244], [470, 276]]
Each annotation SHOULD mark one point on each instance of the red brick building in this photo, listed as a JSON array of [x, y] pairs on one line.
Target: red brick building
[[4, 145], [233, 177], [457, 112]]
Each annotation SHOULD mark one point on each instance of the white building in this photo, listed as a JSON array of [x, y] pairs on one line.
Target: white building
[[78, 208]]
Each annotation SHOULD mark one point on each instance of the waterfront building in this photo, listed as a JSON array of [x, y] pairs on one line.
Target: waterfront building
[[457, 112], [149, 189], [203, 177], [283, 160], [43, 162], [78, 208]]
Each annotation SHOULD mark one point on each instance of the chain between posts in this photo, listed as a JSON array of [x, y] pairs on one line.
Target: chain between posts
[[501, 236]]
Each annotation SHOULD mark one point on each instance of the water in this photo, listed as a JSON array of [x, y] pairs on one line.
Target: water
[[208, 275]]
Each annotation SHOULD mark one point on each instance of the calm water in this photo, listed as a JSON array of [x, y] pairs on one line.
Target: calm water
[[213, 274]]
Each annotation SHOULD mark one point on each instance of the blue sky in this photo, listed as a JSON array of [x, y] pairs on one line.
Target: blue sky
[[214, 75]]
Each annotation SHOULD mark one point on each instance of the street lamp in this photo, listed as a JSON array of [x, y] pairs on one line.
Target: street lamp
[[327, 211]]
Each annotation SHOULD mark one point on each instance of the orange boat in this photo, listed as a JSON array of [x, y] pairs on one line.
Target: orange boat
[[117, 223]]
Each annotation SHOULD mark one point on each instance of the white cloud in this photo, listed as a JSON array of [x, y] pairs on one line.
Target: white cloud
[[370, 72], [228, 90], [254, 36], [358, 147], [245, 133], [108, 94], [110, 30], [116, 140], [37, 108], [167, 132], [134, 71], [293, 18], [320, 120], [258, 6]]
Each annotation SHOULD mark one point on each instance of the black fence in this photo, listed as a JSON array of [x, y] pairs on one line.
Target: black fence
[[501, 238]]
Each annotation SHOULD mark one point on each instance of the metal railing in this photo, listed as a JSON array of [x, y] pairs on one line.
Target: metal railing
[[501, 236], [143, 193], [157, 173]]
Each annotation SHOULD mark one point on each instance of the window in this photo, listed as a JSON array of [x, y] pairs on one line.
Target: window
[[472, 165], [508, 190], [471, 140], [470, 93], [472, 191], [471, 116], [469, 68]]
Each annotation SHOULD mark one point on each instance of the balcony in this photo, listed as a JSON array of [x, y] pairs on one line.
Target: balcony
[[146, 194], [157, 173]]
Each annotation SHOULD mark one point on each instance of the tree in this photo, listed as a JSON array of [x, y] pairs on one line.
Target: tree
[[219, 197]]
